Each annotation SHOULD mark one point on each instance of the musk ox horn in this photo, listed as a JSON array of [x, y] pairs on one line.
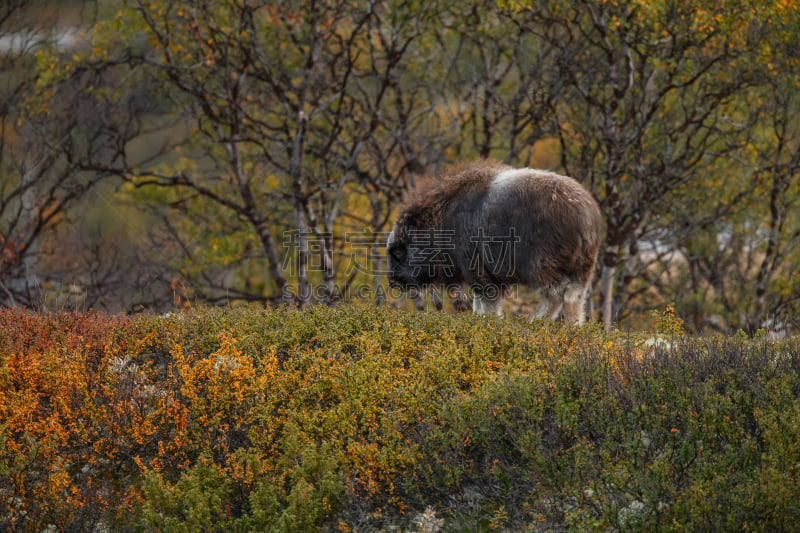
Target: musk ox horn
[[490, 226]]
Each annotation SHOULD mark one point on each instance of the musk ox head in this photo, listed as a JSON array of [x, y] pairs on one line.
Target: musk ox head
[[492, 226], [417, 257]]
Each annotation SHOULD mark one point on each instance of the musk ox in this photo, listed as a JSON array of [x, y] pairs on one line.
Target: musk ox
[[490, 226]]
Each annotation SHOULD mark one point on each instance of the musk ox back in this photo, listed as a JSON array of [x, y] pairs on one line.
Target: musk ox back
[[491, 226]]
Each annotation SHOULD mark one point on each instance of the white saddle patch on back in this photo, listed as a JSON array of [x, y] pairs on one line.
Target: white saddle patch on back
[[508, 177]]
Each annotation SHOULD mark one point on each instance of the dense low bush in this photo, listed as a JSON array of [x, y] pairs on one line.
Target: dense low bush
[[370, 419]]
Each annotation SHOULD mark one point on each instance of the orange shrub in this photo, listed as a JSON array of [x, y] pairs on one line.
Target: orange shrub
[[362, 418]]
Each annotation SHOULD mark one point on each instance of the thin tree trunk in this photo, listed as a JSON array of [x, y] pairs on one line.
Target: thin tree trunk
[[303, 284], [376, 258], [328, 269], [275, 265], [296, 173], [28, 281], [607, 278], [768, 263]]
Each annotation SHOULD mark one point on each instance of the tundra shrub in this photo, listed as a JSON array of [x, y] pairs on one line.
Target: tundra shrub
[[372, 419]]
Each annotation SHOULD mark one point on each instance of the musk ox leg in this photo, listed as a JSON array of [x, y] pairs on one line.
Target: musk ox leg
[[574, 298], [481, 305], [437, 299], [571, 297], [417, 297], [549, 304]]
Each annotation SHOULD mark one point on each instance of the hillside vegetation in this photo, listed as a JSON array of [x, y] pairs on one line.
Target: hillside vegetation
[[158, 153], [373, 419]]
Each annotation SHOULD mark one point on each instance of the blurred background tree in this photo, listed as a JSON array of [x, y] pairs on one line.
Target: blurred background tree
[[255, 151], [58, 248]]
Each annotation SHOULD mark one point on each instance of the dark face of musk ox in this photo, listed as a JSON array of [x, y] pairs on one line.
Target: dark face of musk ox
[[491, 226], [415, 260]]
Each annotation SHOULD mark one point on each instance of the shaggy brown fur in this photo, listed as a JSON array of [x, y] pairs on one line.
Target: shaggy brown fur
[[491, 226]]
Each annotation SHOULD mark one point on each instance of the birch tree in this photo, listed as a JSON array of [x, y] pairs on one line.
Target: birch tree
[[645, 112], [47, 131], [293, 112]]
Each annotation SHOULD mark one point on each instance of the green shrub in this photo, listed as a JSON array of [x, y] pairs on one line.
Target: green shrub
[[373, 419]]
